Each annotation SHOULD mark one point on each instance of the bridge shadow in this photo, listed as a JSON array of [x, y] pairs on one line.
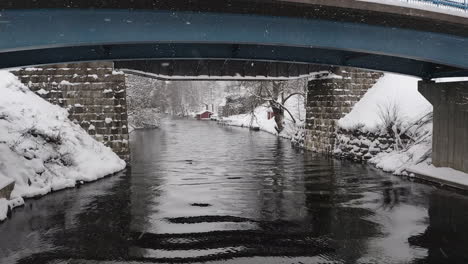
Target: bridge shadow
[[446, 237]]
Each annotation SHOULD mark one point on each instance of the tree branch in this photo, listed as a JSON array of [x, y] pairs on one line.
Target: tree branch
[[289, 96], [284, 108]]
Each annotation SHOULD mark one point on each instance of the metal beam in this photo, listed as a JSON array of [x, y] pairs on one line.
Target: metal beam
[[219, 52]]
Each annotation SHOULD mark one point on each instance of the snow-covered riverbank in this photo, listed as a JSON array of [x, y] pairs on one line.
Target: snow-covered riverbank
[[390, 128], [394, 100], [41, 150], [259, 118]]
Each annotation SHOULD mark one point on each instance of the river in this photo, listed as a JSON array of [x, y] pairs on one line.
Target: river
[[199, 192]]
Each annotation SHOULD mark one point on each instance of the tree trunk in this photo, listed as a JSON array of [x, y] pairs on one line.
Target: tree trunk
[[279, 117], [278, 111]]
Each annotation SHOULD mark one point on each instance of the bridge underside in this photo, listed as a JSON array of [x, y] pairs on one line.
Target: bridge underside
[[191, 70], [206, 57], [75, 35]]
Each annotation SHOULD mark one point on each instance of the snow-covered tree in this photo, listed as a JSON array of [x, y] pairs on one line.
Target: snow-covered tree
[[277, 93]]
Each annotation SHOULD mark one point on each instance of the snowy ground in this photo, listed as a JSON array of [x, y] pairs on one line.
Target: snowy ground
[[41, 149], [390, 90], [401, 91], [259, 118]]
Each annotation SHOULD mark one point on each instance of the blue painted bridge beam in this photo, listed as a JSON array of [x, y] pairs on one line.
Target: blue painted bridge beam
[[42, 36], [245, 52]]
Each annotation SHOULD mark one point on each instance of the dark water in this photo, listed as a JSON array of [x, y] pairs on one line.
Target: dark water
[[198, 192]]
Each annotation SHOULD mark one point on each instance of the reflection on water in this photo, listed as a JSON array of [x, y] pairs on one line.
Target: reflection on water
[[199, 192]]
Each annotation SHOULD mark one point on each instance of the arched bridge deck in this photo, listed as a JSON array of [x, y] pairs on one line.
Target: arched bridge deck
[[333, 32]]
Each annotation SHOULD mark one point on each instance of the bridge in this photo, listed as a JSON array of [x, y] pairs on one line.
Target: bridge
[[351, 33], [426, 39]]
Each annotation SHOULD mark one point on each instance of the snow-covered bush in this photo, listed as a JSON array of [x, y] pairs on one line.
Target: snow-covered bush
[[416, 147], [390, 117], [239, 104], [146, 99], [144, 118]]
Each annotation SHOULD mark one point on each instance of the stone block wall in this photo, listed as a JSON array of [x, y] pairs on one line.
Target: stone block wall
[[361, 146], [331, 95], [93, 93]]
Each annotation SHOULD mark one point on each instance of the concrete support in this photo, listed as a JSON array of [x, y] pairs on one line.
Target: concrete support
[[331, 95], [450, 132]]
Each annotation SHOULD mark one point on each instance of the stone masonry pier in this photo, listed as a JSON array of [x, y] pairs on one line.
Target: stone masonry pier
[[93, 93], [330, 96]]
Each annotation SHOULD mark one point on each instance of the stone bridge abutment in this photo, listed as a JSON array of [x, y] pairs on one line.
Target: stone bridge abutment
[[330, 96], [333, 95], [93, 93]]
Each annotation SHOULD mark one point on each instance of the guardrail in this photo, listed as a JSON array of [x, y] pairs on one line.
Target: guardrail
[[460, 5]]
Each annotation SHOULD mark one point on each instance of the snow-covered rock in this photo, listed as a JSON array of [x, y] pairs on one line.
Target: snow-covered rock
[[41, 149]]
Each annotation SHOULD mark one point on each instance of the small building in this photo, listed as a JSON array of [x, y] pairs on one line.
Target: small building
[[204, 115]]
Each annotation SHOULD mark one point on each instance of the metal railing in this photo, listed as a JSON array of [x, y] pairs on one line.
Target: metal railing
[[460, 5]]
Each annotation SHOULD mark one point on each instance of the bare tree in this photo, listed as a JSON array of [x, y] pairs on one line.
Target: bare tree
[[277, 93]]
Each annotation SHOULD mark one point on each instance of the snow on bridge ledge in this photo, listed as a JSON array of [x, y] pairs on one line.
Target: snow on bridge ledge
[[213, 77], [449, 7]]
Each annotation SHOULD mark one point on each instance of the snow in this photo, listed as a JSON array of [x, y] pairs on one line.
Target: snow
[[114, 72], [64, 82], [415, 158], [210, 77], [4, 181], [443, 174], [323, 75], [423, 5], [108, 120], [259, 118], [41, 149], [389, 89], [33, 69], [451, 79], [42, 91], [399, 161], [3, 209], [401, 91]]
